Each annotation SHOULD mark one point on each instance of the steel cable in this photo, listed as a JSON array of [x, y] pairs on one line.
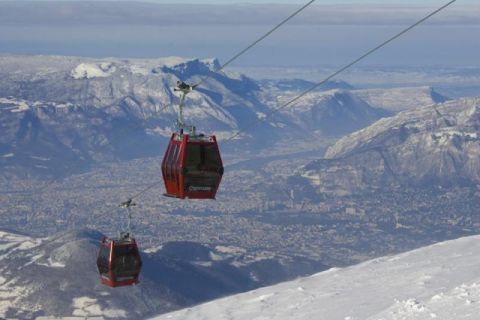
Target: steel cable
[[347, 66]]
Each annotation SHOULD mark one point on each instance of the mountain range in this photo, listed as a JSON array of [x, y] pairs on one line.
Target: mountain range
[[64, 114]]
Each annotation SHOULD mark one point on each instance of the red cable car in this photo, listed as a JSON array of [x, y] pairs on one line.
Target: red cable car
[[119, 261], [192, 166]]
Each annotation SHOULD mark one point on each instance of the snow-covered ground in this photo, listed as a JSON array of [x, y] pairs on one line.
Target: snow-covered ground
[[441, 281]]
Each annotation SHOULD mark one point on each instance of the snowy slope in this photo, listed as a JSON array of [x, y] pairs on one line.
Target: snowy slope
[[333, 112], [74, 112], [441, 281]]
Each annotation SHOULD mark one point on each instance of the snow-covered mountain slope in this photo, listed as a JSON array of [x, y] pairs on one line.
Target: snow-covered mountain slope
[[71, 112], [62, 114], [135, 88], [57, 276], [400, 99], [327, 113], [440, 282], [432, 144]]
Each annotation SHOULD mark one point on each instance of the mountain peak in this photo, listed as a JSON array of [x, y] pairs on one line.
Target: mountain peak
[[442, 141], [193, 67]]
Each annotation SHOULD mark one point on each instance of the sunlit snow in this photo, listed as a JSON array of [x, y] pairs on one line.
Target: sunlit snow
[[441, 281]]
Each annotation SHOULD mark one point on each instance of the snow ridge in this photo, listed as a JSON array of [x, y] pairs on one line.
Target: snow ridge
[[436, 282]]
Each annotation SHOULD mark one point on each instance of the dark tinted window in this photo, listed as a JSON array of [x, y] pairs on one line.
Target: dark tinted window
[[212, 156], [126, 261], [176, 151], [170, 154], [203, 157], [102, 261], [193, 158], [203, 168], [170, 161]]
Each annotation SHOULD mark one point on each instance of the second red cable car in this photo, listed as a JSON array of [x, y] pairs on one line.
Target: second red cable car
[[119, 262]]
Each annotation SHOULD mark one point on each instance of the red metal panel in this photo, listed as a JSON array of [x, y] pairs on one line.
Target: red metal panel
[[221, 163], [164, 163], [168, 166], [176, 171]]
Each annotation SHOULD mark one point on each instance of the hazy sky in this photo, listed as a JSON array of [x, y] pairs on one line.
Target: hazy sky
[[320, 36]]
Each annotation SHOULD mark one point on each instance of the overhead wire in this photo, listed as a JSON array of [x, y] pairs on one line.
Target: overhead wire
[[114, 208], [124, 131], [347, 66], [228, 62], [295, 99], [141, 124], [253, 44], [217, 70]]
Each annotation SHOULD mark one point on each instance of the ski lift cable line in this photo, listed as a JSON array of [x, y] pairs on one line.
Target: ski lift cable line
[[111, 209], [153, 185], [347, 66], [290, 102], [224, 65], [235, 57], [202, 79], [295, 99], [125, 131]]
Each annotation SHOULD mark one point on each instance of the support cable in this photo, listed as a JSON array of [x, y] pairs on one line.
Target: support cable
[[347, 66], [235, 57], [295, 99]]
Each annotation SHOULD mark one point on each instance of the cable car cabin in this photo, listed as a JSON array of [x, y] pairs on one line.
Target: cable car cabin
[[119, 262], [192, 167]]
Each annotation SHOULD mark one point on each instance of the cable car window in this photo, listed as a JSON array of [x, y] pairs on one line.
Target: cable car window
[[126, 261], [175, 155], [169, 155], [167, 162], [171, 161], [212, 157], [103, 257], [175, 162], [193, 159]]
